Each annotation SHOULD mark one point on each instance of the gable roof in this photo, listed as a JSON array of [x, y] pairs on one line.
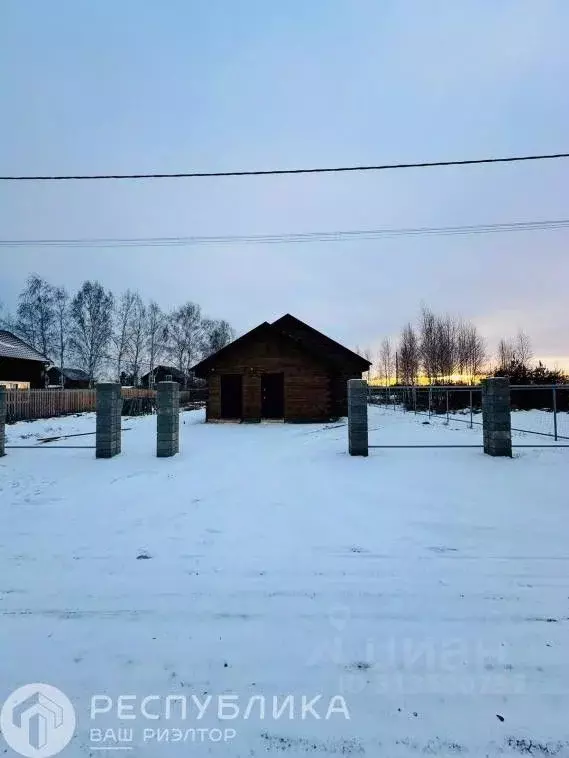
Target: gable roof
[[76, 374], [14, 347], [73, 374], [200, 368], [319, 341], [307, 340]]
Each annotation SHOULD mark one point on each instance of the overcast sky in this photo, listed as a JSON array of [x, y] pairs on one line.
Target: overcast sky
[[181, 85]]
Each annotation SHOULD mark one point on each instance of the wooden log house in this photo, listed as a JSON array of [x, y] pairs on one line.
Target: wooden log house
[[285, 370]]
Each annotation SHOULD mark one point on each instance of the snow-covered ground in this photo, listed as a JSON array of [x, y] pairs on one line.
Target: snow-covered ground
[[541, 422], [427, 588]]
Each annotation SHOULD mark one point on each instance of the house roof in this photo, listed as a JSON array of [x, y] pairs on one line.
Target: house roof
[[73, 374], [14, 347], [319, 342], [203, 366], [175, 372], [302, 336]]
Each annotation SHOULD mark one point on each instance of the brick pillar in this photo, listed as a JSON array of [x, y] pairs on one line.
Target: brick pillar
[[118, 419], [2, 421], [168, 419], [357, 417], [108, 426], [496, 421]]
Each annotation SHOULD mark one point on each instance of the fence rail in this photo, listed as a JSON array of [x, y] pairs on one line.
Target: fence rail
[[28, 405], [540, 409]]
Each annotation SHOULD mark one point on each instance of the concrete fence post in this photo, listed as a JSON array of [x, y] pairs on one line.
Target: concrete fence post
[[168, 419], [108, 424], [496, 417], [357, 417], [3, 410], [118, 419]]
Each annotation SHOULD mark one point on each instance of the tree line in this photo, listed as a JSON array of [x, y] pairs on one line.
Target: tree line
[[441, 348], [122, 337]]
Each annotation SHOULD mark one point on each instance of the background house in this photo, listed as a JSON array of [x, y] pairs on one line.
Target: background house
[[21, 366], [284, 370], [170, 373], [163, 374], [73, 378]]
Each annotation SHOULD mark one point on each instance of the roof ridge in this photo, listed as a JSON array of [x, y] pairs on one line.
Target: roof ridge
[[303, 343], [263, 325], [318, 333]]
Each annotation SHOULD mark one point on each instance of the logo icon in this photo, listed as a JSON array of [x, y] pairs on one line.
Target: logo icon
[[37, 720]]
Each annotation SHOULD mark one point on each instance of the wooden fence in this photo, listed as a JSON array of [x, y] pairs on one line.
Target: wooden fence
[[28, 405]]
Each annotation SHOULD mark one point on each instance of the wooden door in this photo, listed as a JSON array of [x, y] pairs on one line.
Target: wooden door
[[272, 396], [231, 396]]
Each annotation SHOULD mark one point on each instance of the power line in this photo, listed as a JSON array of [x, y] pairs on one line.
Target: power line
[[275, 172], [291, 238]]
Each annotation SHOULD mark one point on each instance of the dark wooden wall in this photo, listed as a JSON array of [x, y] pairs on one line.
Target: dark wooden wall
[[339, 385], [18, 370], [307, 386]]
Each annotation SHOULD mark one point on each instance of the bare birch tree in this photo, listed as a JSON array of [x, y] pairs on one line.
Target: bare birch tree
[[62, 326], [462, 348], [409, 355], [476, 353], [471, 351], [6, 320], [506, 353], [185, 336], [523, 349], [367, 355], [216, 334], [91, 326], [515, 351], [386, 361], [428, 343], [445, 346], [122, 322], [137, 336], [36, 315], [157, 336]]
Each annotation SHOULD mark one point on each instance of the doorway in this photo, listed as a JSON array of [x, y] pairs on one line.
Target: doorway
[[272, 396], [231, 396]]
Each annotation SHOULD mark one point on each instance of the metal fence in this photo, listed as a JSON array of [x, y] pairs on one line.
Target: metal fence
[[28, 405], [541, 410], [457, 403]]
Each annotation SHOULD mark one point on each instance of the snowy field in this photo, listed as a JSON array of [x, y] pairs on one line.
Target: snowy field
[[427, 590]]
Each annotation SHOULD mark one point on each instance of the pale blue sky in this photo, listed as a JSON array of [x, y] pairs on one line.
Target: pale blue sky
[[136, 86]]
